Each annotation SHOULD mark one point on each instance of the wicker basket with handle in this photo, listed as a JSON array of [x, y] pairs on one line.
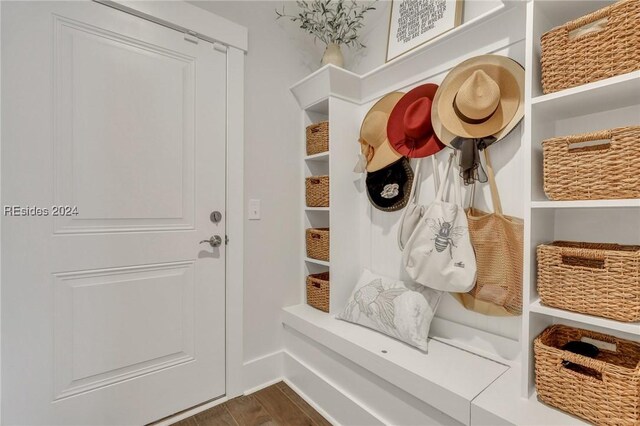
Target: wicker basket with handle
[[600, 45], [318, 243], [591, 278], [604, 390], [317, 191], [318, 291], [318, 138], [604, 171]]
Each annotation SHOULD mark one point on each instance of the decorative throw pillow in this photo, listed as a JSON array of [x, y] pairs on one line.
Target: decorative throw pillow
[[401, 310]]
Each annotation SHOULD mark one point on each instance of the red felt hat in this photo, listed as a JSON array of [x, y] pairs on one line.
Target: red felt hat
[[409, 127]]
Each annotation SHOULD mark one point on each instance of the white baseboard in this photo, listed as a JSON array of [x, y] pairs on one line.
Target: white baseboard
[[262, 372]]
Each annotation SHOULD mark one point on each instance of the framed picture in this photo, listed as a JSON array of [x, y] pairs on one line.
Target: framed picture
[[415, 22]]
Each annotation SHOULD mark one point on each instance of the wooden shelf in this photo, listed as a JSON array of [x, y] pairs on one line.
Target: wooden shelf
[[604, 95], [579, 204], [625, 327], [323, 156], [317, 261]]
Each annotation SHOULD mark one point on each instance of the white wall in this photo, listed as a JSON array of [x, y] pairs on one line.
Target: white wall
[[272, 156], [376, 31]]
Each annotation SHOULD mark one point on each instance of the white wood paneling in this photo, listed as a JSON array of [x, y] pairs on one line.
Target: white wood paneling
[[332, 376]]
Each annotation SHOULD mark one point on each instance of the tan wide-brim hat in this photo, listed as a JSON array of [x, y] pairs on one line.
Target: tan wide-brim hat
[[373, 133], [482, 96]]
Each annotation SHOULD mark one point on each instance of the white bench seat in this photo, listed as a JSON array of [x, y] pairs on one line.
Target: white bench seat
[[446, 378]]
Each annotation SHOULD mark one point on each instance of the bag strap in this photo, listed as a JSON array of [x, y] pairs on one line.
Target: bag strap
[[495, 196], [413, 195], [456, 183], [443, 183], [436, 173]]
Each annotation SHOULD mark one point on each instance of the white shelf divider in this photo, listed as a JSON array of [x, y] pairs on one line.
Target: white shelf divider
[[317, 209], [632, 328], [323, 156], [578, 204], [317, 261], [611, 93]]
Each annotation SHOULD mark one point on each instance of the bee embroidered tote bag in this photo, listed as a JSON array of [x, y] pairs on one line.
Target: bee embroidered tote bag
[[414, 211], [439, 253]]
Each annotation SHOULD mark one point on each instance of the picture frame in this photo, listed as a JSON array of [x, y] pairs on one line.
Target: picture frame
[[413, 23]]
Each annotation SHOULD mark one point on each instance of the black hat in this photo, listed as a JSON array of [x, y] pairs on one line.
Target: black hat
[[389, 188]]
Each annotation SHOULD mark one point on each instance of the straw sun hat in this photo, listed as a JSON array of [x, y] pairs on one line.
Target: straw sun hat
[[482, 96], [373, 134]]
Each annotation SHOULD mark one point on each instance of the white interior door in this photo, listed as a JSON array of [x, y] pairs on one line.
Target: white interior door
[[115, 315]]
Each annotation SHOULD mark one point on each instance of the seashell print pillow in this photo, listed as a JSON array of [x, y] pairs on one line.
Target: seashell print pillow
[[401, 310]]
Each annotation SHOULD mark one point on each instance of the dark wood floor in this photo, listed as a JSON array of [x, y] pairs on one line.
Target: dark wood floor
[[276, 405]]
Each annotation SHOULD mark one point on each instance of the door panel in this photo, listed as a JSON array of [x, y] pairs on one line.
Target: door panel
[[104, 78], [115, 315], [92, 350]]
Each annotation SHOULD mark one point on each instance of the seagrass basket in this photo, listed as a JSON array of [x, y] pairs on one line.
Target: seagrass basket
[[599, 45], [604, 390], [318, 243], [317, 191], [608, 170], [591, 278], [318, 291], [318, 138]]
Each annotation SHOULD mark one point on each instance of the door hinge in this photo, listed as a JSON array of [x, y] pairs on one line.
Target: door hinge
[[191, 36], [220, 47], [226, 240]]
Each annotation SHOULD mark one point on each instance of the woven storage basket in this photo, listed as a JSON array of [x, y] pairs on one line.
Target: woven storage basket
[[318, 291], [318, 243], [318, 138], [591, 278], [603, 171], [604, 390], [600, 45], [317, 191]]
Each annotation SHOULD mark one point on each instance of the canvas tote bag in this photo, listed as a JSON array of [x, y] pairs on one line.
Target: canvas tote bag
[[414, 211], [439, 254], [498, 243]]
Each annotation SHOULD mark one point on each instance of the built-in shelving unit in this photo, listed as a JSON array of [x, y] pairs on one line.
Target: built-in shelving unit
[[357, 231], [313, 165], [595, 106], [337, 163]]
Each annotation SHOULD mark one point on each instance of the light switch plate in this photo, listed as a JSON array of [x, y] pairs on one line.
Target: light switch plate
[[254, 209]]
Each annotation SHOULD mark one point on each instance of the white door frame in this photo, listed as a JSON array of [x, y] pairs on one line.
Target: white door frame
[[234, 39]]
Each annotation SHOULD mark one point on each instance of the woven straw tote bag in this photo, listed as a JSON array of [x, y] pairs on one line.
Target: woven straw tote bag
[[498, 242]]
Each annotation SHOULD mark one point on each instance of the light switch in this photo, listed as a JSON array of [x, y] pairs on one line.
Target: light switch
[[254, 209]]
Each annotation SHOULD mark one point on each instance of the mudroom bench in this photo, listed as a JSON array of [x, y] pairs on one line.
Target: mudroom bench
[[467, 388]]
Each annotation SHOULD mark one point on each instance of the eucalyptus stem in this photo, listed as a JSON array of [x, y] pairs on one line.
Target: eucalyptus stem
[[330, 21]]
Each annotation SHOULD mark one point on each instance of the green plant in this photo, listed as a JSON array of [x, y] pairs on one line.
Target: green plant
[[330, 21]]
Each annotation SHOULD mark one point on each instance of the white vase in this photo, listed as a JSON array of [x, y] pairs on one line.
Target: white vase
[[333, 55]]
